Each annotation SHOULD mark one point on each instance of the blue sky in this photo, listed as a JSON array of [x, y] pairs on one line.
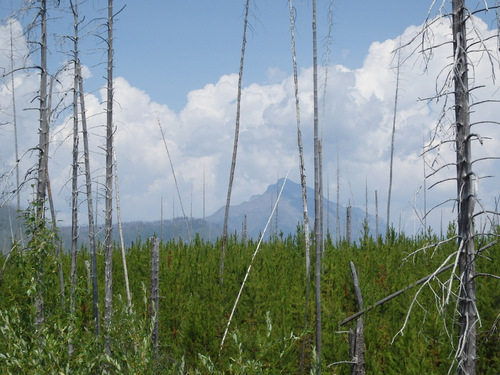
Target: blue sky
[[176, 65], [183, 45]]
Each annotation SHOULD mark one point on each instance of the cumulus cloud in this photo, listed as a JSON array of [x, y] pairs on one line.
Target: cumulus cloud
[[357, 134]]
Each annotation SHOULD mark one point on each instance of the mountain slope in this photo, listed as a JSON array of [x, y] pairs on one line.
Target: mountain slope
[[289, 213]]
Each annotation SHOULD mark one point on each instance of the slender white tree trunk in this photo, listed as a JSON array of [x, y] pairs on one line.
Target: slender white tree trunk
[[155, 295], [122, 242], [235, 146], [108, 261], [74, 184], [303, 182], [318, 219], [394, 116]]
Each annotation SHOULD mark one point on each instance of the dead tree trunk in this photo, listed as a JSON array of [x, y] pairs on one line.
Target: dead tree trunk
[[108, 272], [318, 211], [465, 195], [43, 148], [74, 183], [18, 233], [376, 215], [155, 296], [348, 224], [394, 116], [122, 242], [356, 337], [235, 147], [302, 183], [90, 207]]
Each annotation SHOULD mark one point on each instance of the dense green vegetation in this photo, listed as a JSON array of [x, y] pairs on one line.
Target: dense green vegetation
[[267, 331]]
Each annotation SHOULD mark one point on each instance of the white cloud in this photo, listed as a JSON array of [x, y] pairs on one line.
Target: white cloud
[[358, 123]]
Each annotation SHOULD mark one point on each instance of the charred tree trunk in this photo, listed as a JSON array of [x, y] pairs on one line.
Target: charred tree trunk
[[465, 195]]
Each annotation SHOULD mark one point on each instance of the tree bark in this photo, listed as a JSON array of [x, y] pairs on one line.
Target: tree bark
[[43, 148], [465, 195]]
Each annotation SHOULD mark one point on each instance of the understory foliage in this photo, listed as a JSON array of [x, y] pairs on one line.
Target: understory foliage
[[267, 331]]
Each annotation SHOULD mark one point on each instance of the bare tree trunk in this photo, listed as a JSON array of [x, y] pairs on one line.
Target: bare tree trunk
[[318, 203], [394, 115], [338, 197], [122, 242], [59, 243], [155, 296], [235, 147], [74, 185], [90, 208], [348, 224], [302, 183], [43, 148], [108, 262], [188, 230], [425, 193], [376, 215], [18, 233], [356, 337], [465, 194]]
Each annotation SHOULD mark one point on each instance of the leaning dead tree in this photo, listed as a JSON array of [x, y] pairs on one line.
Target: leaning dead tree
[[235, 147], [88, 191]]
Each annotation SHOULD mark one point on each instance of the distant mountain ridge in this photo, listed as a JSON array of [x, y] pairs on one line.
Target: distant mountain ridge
[[289, 213], [252, 214]]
